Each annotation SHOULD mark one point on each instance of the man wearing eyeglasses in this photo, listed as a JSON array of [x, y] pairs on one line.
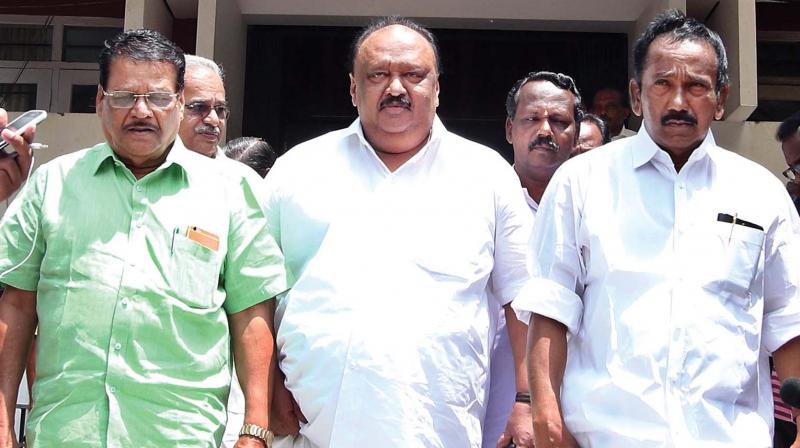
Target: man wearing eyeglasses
[[206, 111], [789, 135], [144, 265]]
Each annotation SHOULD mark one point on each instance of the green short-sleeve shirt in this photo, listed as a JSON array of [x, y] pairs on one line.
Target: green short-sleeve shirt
[[134, 344]]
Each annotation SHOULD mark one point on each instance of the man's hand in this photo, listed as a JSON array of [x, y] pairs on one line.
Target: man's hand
[[249, 442], [549, 429], [7, 440], [285, 415], [14, 170], [519, 428]]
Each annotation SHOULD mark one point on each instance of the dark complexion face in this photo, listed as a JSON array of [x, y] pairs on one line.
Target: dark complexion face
[[542, 131], [677, 97]]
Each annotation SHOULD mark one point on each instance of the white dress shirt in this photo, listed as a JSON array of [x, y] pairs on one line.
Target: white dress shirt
[[502, 381], [671, 313], [384, 338]]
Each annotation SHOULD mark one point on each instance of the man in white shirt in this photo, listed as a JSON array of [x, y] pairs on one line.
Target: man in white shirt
[[611, 105], [543, 112], [399, 235], [202, 127], [672, 264]]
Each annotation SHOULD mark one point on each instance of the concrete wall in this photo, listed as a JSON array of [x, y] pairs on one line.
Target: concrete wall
[[735, 21], [222, 36], [152, 14], [756, 141]]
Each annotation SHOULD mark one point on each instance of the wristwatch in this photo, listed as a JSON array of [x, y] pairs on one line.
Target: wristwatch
[[258, 432]]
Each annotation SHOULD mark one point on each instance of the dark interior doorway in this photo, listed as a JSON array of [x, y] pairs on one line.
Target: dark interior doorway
[[296, 84]]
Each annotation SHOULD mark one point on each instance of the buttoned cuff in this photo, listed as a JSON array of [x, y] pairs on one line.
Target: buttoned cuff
[[550, 299]]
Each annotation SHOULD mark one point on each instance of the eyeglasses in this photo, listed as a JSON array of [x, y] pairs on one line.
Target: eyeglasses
[[792, 172], [201, 109], [125, 100]]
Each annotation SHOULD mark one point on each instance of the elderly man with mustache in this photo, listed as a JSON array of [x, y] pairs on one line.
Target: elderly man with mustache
[[672, 264], [206, 109]]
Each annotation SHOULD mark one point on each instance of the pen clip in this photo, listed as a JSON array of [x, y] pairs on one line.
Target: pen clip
[[733, 225], [172, 244]]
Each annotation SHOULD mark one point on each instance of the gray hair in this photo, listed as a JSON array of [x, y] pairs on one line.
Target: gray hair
[[192, 60]]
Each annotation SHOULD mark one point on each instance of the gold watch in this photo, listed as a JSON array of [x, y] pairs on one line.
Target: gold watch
[[264, 434]]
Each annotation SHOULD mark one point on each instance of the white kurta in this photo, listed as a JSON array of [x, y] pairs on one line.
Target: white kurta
[[671, 312], [502, 381], [384, 338]]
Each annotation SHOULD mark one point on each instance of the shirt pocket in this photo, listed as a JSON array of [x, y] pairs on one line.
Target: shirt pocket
[[730, 258], [195, 275]]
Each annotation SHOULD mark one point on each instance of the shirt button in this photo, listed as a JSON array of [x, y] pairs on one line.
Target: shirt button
[[139, 188], [117, 347], [138, 224], [125, 302], [112, 389]]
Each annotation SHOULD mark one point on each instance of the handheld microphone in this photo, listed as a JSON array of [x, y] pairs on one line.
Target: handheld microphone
[[790, 392]]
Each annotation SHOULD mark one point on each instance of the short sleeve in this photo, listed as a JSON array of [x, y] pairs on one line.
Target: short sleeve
[[254, 269], [781, 321], [22, 245], [555, 258], [513, 223]]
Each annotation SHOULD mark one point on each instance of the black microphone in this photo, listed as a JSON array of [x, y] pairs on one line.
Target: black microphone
[[790, 392]]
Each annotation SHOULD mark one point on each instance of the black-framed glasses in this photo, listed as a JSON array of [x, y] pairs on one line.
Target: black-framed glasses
[[792, 172], [121, 99], [202, 109]]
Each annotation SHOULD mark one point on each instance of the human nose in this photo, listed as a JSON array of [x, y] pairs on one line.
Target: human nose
[[140, 107], [544, 128], [395, 87], [212, 117], [677, 100]]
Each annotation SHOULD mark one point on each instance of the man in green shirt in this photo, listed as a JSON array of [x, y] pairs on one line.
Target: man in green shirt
[[143, 264]]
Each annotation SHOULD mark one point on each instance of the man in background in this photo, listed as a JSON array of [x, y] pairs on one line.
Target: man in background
[[594, 133], [543, 112], [206, 111], [611, 105]]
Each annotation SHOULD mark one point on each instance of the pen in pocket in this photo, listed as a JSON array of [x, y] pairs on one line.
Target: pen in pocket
[[172, 245]]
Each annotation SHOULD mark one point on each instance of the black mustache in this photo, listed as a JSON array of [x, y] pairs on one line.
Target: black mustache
[[544, 140], [401, 101], [678, 116], [141, 124]]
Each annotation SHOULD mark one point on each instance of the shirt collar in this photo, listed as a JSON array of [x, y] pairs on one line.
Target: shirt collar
[[531, 202], [178, 155], [644, 149]]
